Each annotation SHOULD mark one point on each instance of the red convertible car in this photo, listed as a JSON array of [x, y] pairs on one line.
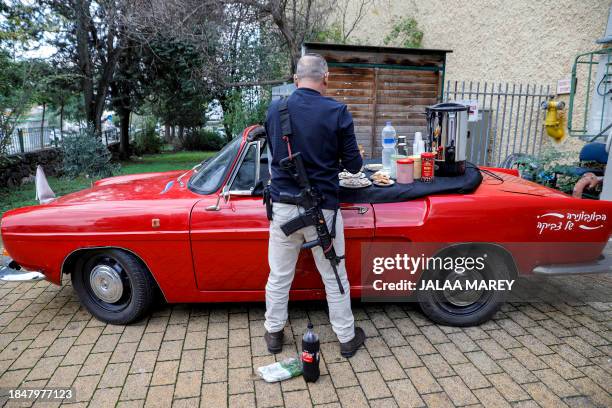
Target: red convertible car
[[202, 236]]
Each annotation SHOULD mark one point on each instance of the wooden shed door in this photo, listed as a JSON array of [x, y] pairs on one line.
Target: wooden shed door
[[376, 95]]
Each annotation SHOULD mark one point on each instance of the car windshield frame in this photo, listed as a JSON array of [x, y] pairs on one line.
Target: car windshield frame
[[235, 146]]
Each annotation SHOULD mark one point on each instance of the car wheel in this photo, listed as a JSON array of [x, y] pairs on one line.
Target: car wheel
[[464, 307], [114, 286]]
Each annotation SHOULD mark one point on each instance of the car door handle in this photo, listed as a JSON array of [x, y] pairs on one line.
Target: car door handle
[[360, 210]]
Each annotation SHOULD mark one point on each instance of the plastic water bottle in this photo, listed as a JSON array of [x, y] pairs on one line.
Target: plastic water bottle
[[310, 355], [388, 143]]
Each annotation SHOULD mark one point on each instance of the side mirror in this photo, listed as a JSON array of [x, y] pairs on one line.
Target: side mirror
[[226, 196], [225, 192]]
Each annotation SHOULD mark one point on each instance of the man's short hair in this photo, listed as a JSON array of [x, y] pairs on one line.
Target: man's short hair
[[311, 66]]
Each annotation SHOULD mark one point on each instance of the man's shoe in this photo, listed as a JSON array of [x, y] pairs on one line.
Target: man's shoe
[[274, 341], [349, 348]]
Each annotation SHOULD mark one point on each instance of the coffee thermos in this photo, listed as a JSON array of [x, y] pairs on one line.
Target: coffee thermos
[[310, 355], [447, 133]]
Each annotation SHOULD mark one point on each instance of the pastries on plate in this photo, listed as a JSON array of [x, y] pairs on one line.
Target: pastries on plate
[[355, 182], [345, 175], [381, 174], [384, 182], [382, 179]]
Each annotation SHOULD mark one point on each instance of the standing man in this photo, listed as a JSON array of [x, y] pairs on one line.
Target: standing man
[[322, 131]]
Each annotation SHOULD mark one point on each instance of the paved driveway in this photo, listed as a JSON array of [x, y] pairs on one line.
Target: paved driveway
[[544, 354]]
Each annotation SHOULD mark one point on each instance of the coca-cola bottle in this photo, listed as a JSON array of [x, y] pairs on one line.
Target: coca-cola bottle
[[310, 355]]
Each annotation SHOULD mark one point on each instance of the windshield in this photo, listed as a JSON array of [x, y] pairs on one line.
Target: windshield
[[209, 178]]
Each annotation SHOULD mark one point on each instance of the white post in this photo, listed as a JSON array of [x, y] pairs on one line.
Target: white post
[[606, 192]]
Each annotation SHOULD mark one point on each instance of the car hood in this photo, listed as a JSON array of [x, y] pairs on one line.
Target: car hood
[[505, 183], [124, 204], [146, 186]]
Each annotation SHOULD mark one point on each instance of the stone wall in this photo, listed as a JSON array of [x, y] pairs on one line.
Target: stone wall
[[20, 168]]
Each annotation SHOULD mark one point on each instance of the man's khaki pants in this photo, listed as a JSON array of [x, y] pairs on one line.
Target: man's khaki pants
[[283, 253]]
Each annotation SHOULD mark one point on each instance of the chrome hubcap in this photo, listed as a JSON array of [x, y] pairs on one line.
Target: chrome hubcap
[[106, 283], [463, 298]]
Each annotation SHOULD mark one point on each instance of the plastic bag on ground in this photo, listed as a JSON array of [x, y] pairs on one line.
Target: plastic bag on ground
[[282, 370]]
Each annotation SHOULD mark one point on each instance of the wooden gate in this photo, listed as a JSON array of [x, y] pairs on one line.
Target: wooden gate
[[380, 84]]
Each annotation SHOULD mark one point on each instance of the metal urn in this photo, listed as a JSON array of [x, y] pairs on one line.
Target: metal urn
[[447, 128]]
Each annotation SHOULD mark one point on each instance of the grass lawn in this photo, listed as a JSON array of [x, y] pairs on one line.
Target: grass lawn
[[25, 195]]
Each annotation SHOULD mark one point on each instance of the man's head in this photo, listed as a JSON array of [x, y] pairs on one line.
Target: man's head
[[311, 72]]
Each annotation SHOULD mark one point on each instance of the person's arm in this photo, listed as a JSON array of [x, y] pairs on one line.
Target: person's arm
[[349, 151]]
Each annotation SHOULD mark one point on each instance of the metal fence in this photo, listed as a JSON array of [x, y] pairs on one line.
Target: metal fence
[[30, 139], [509, 119]]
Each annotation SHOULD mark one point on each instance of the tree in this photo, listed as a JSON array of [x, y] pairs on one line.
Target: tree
[[218, 51], [128, 89], [21, 28], [243, 46], [252, 55], [17, 89], [179, 97], [175, 57], [62, 93], [349, 15], [90, 40], [295, 20], [43, 94]]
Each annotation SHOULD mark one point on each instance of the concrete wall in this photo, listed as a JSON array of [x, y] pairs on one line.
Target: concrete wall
[[515, 41], [519, 41]]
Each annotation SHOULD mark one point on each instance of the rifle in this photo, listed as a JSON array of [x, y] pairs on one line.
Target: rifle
[[310, 199]]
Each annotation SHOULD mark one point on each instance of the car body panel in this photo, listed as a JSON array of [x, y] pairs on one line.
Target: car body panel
[[42, 237], [213, 247], [215, 250]]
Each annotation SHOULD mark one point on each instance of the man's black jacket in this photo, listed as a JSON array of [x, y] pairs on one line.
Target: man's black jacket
[[323, 132]]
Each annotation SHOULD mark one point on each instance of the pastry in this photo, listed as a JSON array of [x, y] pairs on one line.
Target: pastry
[[346, 175], [355, 182]]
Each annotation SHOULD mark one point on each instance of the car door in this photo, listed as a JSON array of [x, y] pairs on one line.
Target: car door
[[230, 244]]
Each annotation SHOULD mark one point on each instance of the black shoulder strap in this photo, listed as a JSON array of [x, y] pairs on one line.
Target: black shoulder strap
[[285, 120]]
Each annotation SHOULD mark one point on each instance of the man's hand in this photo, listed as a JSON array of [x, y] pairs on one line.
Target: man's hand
[[587, 181]]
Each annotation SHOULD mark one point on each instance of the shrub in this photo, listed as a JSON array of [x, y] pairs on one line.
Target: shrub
[[551, 169], [405, 33], [243, 112], [202, 139], [147, 141], [86, 155]]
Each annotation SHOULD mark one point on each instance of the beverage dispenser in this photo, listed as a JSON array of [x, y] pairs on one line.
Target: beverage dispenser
[[447, 137]]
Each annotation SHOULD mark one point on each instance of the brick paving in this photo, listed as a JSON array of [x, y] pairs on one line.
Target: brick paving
[[546, 354]]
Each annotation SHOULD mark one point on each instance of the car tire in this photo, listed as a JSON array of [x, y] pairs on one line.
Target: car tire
[[437, 306], [114, 286]]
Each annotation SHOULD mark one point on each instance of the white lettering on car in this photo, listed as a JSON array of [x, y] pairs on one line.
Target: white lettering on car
[[583, 220]]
